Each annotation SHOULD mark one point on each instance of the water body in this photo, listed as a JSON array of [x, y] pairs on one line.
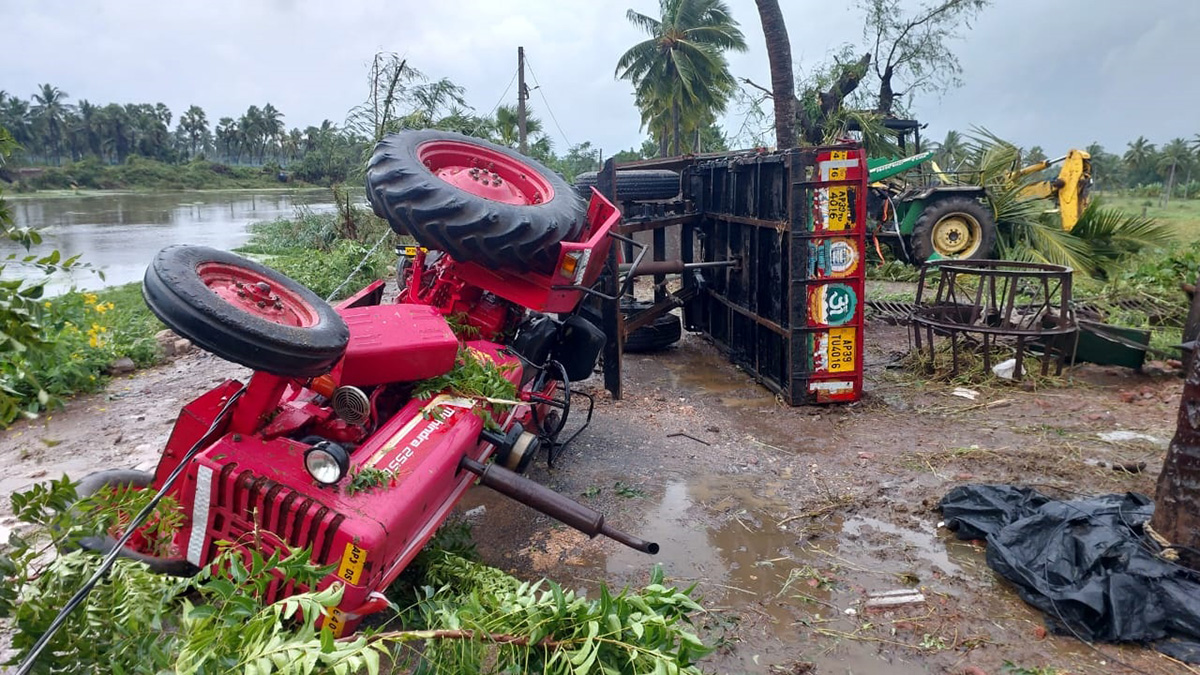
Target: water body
[[119, 233]]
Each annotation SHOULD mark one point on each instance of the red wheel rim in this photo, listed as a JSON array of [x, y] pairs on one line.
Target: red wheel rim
[[485, 172], [256, 294]]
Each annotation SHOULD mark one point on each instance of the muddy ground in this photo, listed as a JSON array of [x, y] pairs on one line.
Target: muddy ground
[[785, 518]]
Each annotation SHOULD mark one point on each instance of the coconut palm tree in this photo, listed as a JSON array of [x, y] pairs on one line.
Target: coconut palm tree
[[88, 125], [1175, 155], [50, 112], [1139, 157], [680, 74], [951, 151], [272, 130], [506, 126], [783, 82]]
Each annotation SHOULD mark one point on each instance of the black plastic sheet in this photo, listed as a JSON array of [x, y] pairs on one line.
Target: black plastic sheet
[[1086, 564]]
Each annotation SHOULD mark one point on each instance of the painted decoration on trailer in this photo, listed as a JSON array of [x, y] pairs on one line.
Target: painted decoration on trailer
[[831, 304]]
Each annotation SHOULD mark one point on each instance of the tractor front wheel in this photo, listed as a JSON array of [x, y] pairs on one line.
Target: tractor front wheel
[[244, 312], [957, 228]]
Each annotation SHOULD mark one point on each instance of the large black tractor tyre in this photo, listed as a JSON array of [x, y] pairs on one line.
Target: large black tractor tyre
[[244, 312], [104, 543], [407, 185], [959, 228], [657, 335], [634, 184]]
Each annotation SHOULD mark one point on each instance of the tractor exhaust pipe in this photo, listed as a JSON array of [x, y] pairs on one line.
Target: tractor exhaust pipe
[[551, 503]]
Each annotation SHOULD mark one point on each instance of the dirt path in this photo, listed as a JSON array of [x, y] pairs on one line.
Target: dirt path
[[785, 518]]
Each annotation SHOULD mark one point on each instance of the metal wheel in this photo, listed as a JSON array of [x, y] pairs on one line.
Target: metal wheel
[[957, 235]]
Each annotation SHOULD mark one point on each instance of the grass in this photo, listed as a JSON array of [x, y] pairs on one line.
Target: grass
[[1182, 214], [148, 174], [86, 332], [322, 250]]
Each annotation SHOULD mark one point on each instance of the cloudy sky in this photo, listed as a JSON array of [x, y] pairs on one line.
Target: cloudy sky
[[1058, 74]]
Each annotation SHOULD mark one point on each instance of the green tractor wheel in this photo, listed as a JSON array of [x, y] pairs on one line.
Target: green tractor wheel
[[958, 228]]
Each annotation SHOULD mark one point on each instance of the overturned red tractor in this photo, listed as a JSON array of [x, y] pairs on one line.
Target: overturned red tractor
[[352, 438]]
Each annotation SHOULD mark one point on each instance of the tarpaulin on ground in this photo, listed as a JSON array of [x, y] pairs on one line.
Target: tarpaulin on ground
[[1086, 564]]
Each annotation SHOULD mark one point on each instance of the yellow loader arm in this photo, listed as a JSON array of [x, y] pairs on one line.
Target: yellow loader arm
[[1070, 189]]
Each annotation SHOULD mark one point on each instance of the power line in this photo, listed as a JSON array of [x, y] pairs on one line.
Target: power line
[[544, 100], [488, 117]]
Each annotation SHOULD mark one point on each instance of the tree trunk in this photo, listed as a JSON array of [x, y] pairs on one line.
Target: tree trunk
[[887, 97], [1166, 197], [779, 55], [813, 130], [675, 128], [1177, 497]]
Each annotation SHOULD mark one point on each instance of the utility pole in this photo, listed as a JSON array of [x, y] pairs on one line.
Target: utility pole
[[522, 94]]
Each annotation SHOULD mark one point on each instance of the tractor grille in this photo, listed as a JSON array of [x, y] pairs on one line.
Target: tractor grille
[[257, 511]]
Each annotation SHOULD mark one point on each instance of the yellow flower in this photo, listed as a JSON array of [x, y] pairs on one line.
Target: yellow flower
[[47, 304], [89, 298], [101, 308], [94, 341]]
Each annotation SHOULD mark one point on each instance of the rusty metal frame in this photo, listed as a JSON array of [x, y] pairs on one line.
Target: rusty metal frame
[[1004, 302]]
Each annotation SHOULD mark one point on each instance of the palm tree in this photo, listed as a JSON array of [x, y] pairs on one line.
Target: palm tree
[[680, 73], [50, 113], [89, 125], [783, 81], [194, 124], [14, 116], [1138, 157], [951, 151], [272, 128], [507, 128], [1174, 155]]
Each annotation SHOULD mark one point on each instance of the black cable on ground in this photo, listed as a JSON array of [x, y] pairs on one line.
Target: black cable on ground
[[80, 595]]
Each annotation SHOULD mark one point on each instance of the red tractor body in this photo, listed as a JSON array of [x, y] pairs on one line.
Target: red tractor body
[[246, 483]]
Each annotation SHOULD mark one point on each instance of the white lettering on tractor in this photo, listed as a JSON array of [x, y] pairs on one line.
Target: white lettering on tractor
[[397, 463]]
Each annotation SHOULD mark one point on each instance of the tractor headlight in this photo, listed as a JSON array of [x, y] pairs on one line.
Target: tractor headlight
[[327, 462]]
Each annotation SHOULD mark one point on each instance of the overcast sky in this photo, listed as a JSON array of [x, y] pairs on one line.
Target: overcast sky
[[1058, 74]]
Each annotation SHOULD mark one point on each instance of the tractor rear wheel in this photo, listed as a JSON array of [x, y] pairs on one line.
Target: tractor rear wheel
[[104, 543], [958, 228], [475, 200], [634, 184], [244, 312]]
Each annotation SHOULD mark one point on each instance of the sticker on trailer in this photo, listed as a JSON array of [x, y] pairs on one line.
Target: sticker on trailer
[[831, 304], [834, 258], [832, 391], [832, 210], [835, 350]]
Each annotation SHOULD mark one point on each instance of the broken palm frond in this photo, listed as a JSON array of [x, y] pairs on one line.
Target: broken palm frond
[[1030, 230]]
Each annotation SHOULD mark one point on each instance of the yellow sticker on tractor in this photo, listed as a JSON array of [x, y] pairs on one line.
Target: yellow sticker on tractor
[[353, 559]]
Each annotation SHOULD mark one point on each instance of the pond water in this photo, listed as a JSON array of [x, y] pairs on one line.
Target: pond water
[[119, 233]]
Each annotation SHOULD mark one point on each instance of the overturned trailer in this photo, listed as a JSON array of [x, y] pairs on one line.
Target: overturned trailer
[[770, 247]]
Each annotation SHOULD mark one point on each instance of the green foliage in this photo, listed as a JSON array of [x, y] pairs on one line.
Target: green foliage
[[366, 479], [142, 173], [466, 617], [77, 335], [476, 610], [321, 250], [51, 348], [680, 73], [474, 376], [1100, 240]]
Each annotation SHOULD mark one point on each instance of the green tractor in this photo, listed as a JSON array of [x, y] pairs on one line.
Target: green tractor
[[927, 220]]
